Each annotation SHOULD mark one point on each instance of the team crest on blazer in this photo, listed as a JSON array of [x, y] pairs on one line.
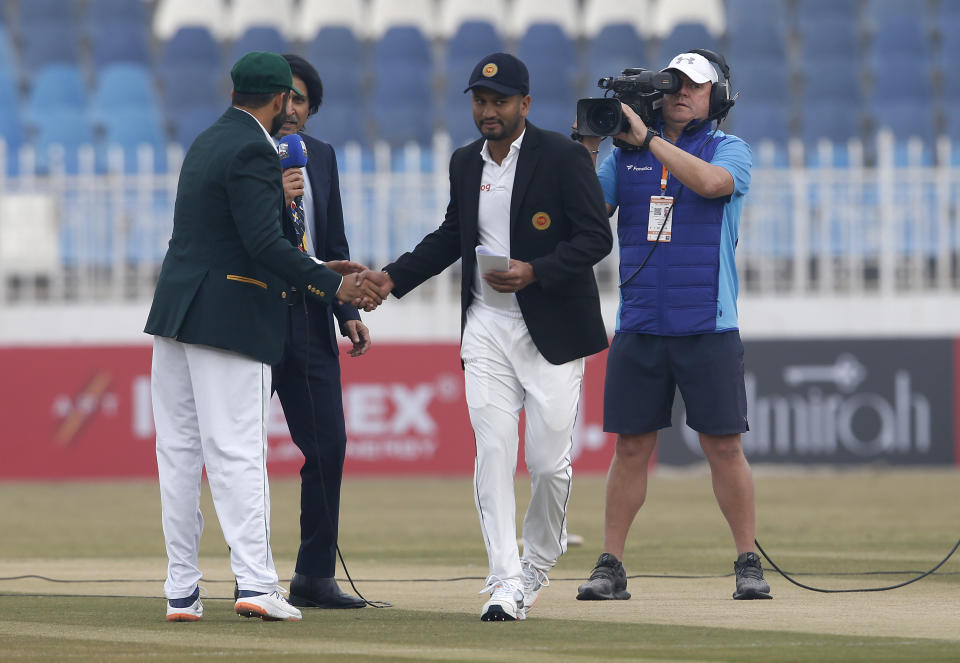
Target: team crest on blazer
[[490, 70], [541, 220]]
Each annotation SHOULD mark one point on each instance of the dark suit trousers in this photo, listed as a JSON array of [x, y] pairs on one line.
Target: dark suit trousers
[[308, 357]]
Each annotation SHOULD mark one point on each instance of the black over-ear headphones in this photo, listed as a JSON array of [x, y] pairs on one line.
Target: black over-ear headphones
[[720, 101]]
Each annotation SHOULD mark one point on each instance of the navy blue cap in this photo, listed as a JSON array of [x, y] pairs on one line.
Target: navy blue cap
[[501, 72]]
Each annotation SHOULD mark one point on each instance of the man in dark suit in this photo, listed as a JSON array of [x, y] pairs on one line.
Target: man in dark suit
[[219, 321], [531, 195], [307, 378]]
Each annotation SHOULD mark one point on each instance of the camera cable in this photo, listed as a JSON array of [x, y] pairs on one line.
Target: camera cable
[[862, 589]]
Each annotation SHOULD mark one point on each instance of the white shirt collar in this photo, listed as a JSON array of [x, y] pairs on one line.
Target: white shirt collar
[[514, 148], [265, 132]]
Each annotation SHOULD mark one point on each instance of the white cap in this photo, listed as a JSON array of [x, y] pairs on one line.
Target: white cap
[[695, 66]]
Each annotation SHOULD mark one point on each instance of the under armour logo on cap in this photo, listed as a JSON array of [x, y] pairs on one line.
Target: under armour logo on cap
[[697, 68]]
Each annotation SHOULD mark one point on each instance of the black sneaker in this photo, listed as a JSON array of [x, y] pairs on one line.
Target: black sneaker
[[608, 581], [750, 582]]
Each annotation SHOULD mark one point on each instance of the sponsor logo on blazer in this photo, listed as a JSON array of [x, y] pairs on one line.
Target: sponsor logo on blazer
[[541, 220]]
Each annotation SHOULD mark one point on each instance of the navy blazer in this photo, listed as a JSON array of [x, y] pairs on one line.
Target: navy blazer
[[558, 224], [329, 237]]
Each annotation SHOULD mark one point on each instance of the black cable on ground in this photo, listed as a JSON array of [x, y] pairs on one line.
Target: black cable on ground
[[865, 589]]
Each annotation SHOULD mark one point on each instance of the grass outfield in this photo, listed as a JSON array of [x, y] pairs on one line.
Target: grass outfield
[[416, 543]]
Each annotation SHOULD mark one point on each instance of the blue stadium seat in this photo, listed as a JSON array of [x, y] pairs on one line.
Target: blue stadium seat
[[901, 38], [901, 80], [34, 13], [340, 59], [615, 48], [551, 59], [56, 87], [188, 87], [8, 60], [684, 36], [749, 42], [949, 56], [837, 120], [840, 79], [129, 128], [827, 39], [458, 120], [740, 13], [49, 43], [121, 88], [827, 10], [402, 107], [760, 120], [402, 45], [543, 43], [339, 122], [9, 91], [191, 46], [552, 115], [190, 122], [65, 127], [877, 11], [120, 42], [758, 80], [472, 41], [337, 44], [259, 38], [126, 11]]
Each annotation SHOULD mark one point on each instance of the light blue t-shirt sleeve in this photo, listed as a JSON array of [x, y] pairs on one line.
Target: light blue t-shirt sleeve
[[734, 155], [607, 174]]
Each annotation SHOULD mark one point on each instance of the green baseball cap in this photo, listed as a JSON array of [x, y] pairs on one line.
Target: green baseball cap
[[262, 73]]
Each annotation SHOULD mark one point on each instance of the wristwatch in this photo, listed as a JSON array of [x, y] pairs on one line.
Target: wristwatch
[[651, 134]]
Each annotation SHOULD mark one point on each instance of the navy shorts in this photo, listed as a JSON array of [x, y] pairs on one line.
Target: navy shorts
[[644, 371]]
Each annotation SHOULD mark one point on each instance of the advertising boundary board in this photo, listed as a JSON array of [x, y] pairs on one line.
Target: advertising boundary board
[[85, 413]]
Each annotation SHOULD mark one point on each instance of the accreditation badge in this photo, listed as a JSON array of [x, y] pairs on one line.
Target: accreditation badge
[[660, 223]]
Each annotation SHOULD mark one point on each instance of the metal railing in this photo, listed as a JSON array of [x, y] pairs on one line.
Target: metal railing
[[99, 232]]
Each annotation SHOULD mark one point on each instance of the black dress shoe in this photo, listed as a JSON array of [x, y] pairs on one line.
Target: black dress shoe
[[310, 592]]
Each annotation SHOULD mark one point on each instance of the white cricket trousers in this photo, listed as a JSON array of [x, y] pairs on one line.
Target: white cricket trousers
[[504, 373], [210, 409]]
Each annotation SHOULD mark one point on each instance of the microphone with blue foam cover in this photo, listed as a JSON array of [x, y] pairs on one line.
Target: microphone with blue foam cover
[[293, 152]]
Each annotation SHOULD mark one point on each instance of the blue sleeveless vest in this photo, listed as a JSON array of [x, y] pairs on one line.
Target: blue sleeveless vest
[[676, 293]]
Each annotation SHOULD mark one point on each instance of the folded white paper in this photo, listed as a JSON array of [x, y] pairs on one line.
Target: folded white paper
[[488, 261]]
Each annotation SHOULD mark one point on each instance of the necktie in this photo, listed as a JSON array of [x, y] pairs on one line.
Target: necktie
[[299, 223]]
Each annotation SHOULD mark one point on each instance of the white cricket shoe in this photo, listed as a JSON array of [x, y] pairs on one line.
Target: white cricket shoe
[[506, 601], [191, 613], [272, 607], [533, 581]]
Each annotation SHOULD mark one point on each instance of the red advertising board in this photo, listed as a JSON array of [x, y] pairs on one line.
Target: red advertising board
[[85, 412]]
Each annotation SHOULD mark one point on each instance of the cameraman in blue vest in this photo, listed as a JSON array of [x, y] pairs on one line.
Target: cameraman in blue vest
[[680, 192]]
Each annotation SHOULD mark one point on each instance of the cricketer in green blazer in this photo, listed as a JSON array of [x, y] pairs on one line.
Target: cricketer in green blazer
[[224, 279]]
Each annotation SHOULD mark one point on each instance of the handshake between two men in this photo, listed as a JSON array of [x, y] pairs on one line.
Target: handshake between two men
[[362, 287], [366, 289]]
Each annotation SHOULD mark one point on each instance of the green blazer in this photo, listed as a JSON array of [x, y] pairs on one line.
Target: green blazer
[[224, 279]]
